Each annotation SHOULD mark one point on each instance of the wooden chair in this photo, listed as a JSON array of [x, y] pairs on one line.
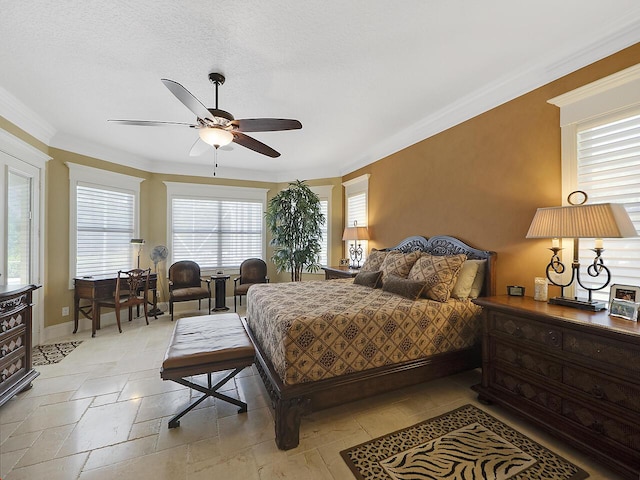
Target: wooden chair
[[131, 289], [185, 284], [252, 271]]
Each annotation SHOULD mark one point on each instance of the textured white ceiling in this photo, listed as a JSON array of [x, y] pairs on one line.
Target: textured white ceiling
[[365, 77]]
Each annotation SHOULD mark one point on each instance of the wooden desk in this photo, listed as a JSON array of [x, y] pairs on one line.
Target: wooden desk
[[98, 287], [339, 272]]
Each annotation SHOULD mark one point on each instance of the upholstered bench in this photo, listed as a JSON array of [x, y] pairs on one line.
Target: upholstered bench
[[203, 345]]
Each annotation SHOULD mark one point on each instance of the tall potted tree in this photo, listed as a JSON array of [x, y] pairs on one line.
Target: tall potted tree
[[294, 220]]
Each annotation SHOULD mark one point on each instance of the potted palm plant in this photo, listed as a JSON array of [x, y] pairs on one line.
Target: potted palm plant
[[294, 220]]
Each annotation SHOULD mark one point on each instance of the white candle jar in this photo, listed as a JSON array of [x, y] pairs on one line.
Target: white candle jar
[[540, 289]]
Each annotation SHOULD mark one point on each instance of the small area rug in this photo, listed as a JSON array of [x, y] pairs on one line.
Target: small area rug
[[466, 443], [53, 353]]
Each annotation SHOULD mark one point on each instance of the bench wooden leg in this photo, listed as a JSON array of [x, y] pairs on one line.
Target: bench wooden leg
[[209, 391]]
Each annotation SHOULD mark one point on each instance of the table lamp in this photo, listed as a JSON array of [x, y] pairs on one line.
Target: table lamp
[[575, 221], [355, 234]]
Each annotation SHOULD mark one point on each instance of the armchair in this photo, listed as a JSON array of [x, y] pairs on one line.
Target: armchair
[[185, 284], [252, 271]]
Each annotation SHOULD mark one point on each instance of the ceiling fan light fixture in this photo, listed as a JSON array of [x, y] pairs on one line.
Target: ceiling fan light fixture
[[216, 137]]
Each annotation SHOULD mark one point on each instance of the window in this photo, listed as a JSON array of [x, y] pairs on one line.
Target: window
[[356, 202], [104, 219], [601, 156], [324, 194], [215, 226]]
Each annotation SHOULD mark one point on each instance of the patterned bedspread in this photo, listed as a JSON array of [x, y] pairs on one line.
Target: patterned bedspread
[[321, 329]]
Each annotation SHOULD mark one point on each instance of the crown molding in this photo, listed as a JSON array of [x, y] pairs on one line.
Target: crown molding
[[23, 117], [15, 147], [501, 91]]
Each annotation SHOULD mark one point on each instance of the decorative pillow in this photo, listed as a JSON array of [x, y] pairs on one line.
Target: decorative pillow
[[374, 261], [369, 279], [467, 275], [478, 282], [398, 263], [410, 289], [440, 272]]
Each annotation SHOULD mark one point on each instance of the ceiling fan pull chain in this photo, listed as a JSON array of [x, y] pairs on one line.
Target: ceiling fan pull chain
[[215, 159]]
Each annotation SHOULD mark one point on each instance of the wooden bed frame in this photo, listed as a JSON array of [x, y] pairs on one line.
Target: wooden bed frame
[[291, 402]]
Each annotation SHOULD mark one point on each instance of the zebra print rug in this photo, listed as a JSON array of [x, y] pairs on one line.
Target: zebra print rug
[[466, 443]]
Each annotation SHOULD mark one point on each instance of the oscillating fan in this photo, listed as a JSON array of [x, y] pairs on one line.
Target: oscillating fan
[[158, 254]]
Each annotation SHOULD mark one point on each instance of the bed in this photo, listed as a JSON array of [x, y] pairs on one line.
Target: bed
[[325, 343]]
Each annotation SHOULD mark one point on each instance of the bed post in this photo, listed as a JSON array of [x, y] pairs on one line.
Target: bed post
[[288, 414]]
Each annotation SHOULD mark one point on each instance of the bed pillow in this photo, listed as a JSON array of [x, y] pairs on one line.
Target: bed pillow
[[467, 275], [478, 282], [398, 264], [373, 261], [440, 272], [410, 289], [369, 279]]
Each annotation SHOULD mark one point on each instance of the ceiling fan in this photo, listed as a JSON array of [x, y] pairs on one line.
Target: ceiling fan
[[217, 127]]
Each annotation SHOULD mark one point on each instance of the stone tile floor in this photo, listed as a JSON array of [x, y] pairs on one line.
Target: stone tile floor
[[102, 413]]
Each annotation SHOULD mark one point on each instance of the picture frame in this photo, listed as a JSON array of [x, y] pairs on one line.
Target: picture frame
[[624, 292], [624, 309], [344, 262]]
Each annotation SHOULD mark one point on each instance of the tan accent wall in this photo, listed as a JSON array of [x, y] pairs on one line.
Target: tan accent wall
[[483, 180]]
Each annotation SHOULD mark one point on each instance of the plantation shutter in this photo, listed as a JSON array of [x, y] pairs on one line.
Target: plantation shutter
[[324, 244], [608, 152], [216, 233], [104, 228]]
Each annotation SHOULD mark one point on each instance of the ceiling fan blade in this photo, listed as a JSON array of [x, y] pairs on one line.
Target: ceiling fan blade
[[253, 144], [198, 148], [189, 101], [266, 124], [150, 123]]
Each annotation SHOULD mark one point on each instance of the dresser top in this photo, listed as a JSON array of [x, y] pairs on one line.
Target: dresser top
[[544, 310]]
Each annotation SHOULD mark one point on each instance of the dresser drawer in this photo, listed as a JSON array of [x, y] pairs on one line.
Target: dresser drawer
[[621, 355], [12, 322], [597, 421], [12, 369], [10, 343], [529, 391], [526, 329], [603, 388], [523, 359]]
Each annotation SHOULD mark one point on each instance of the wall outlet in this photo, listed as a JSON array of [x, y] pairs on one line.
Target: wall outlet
[[65, 311]]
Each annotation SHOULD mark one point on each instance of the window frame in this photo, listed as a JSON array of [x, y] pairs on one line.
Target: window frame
[[601, 101], [103, 179], [324, 193], [354, 187], [213, 192]]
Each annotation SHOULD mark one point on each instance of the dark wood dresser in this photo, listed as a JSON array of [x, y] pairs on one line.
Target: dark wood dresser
[[572, 372], [16, 373]]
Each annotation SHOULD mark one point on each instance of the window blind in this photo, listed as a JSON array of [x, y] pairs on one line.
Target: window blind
[[104, 228], [324, 243], [608, 153], [216, 233], [357, 212]]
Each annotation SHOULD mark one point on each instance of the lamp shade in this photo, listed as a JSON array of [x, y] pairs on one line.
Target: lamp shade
[[355, 233], [216, 137], [599, 220]]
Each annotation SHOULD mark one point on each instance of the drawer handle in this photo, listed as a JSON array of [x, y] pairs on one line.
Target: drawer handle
[[518, 332], [519, 362], [598, 427], [598, 392], [518, 389]]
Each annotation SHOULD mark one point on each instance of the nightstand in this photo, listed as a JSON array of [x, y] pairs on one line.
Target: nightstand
[[331, 273], [574, 373]]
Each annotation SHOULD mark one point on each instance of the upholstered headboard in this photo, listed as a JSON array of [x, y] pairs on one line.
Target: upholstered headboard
[[446, 245]]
